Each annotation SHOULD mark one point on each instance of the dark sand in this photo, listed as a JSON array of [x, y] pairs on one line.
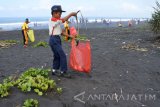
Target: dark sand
[[114, 70]]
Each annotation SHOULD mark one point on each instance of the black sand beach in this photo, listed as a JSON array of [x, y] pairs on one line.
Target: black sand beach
[[133, 74]]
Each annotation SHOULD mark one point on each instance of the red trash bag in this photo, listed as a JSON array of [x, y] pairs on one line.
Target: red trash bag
[[73, 31], [80, 56]]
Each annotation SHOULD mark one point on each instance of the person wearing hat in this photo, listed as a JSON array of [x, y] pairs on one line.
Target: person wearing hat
[[24, 32], [55, 31]]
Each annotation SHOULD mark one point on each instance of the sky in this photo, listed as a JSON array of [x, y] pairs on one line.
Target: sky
[[89, 8]]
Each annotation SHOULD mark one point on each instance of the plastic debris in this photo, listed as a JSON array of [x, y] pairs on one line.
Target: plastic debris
[[132, 46]]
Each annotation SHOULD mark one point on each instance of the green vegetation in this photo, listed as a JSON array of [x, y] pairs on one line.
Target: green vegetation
[[155, 20], [81, 37], [41, 43], [5, 87], [30, 103], [34, 79], [78, 37], [10, 41], [59, 90]]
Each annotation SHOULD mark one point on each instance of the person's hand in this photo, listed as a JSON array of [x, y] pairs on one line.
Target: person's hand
[[74, 14], [70, 15]]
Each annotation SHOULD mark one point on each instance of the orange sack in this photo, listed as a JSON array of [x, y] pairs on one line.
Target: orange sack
[[73, 31], [80, 56]]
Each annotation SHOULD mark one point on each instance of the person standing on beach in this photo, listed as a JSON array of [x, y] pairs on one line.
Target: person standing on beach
[[55, 31], [25, 29], [129, 23]]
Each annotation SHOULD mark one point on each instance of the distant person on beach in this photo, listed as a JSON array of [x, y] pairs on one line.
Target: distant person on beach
[[120, 24], [80, 20], [138, 21], [108, 22], [129, 23], [86, 20], [104, 21], [55, 31], [95, 20], [25, 29]]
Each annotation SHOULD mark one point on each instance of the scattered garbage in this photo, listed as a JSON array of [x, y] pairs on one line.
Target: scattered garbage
[[7, 43], [123, 42], [93, 38], [132, 46], [158, 47]]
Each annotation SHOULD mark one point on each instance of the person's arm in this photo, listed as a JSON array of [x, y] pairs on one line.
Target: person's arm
[[64, 33], [70, 15], [27, 28]]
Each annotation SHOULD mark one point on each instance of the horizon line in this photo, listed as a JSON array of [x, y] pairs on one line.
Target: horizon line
[[84, 17]]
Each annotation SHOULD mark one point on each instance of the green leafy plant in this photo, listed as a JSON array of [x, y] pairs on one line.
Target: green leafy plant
[[78, 37], [59, 90], [155, 20], [36, 71], [10, 41], [5, 87], [30, 103], [41, 43], [81, 37], [33, 79], [36, 79], [38, 92]]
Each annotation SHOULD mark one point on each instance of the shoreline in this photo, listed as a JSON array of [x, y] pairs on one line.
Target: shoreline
[[124, 24]]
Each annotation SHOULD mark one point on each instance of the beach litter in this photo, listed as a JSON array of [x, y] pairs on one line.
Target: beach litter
[[93, 38], [132, 46], [156, 46], [7, 43]]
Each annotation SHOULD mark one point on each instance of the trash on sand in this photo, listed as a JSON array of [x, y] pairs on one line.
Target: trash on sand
[[94, 88], [150, 89], [158, 47], [123, 42], [132, 46], [104, 53], [7, 43]]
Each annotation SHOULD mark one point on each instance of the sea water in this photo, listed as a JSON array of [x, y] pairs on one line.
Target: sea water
[[15, 23]]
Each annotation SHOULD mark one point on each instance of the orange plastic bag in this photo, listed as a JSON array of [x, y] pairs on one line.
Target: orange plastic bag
[[80, 56], [73, 31]]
